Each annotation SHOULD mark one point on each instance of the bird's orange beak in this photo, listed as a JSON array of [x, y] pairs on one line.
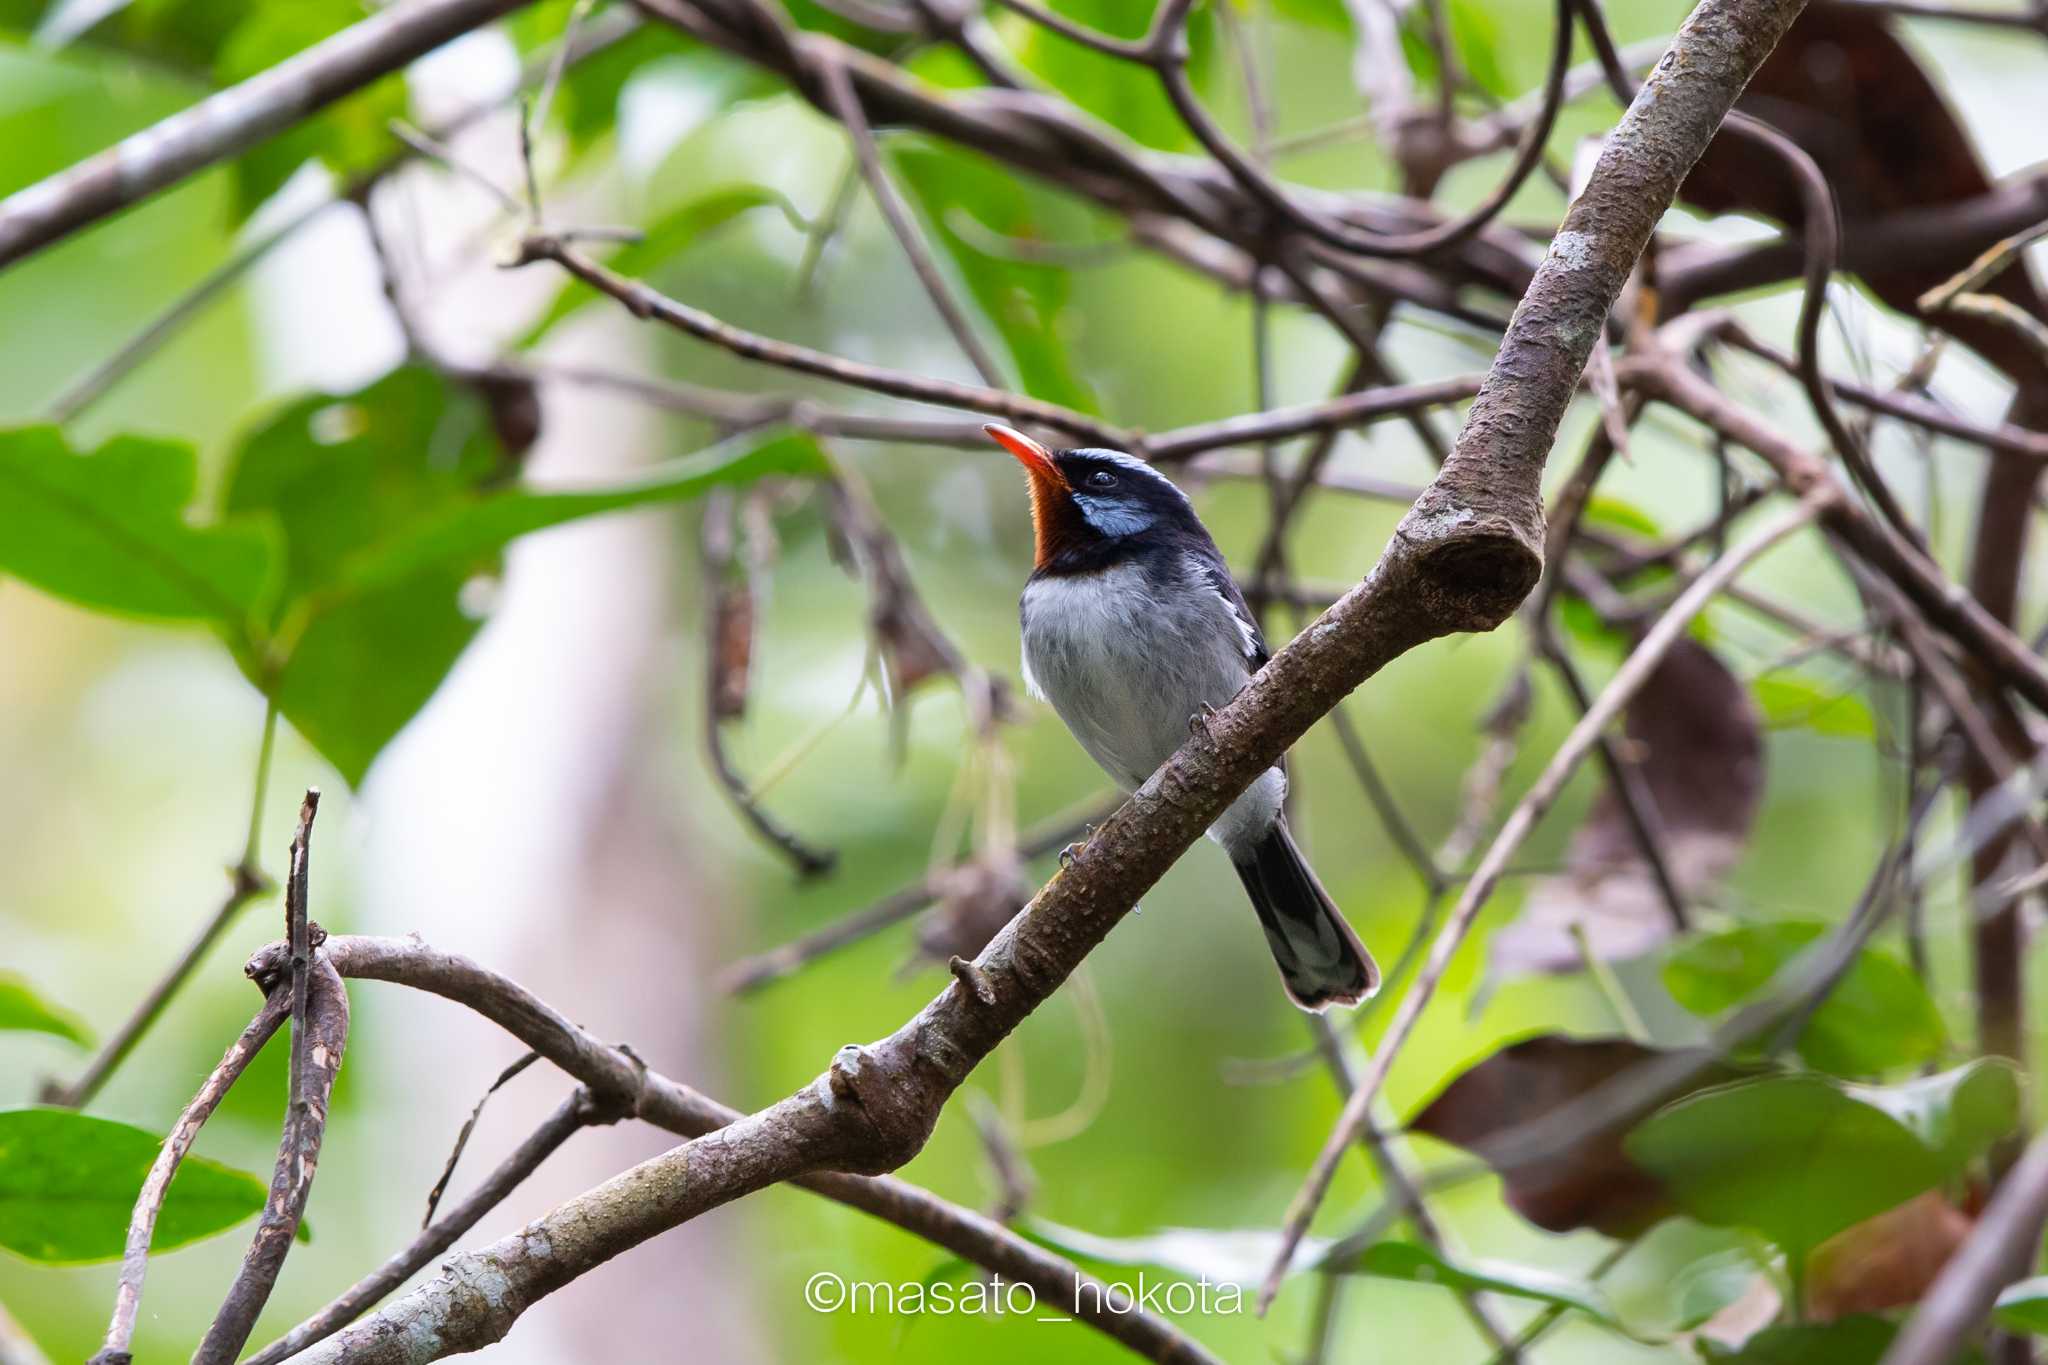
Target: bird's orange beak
[[1035, 458], [1052, 510]]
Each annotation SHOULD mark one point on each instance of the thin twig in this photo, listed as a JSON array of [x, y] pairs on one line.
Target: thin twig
[[319, 1037], [716, 546], [1168, 53], [644, 302], [1821, 229], [846, 105], [524, 1061], [149, 1201]]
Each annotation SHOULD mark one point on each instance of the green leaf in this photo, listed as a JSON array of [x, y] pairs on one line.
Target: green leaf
[[109, 530], [351, 136], [68, 1183], [1857, 1340], [470, 536], [2023, 1307], [341, 475], [1406, 1261], [586, 103], [1791, 699], [1957, 1113], [956, 192], [390, 507], [1616, 514], [1325, 14], [1876, 1019], [1801, 1157], [23, 1008], [676, 231], [1476, 36], [1125, 95]]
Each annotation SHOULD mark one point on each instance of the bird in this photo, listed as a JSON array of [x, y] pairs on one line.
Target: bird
[[1133, 627]]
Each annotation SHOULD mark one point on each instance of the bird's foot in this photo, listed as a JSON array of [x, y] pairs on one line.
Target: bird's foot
[[1198, 723]]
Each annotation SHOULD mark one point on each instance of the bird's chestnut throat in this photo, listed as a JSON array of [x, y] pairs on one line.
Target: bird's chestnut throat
[[1059, 527], [1060, 531]]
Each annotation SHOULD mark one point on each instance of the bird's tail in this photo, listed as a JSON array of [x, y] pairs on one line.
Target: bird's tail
[[1321, 961]]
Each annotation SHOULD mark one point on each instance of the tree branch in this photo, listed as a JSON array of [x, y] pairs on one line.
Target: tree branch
[[232, 121], [319, 1037], [619, 1082]]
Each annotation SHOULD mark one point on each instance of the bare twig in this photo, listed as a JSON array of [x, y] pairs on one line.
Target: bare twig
[[1948, 608], [319, 1036], [1401, 1186], [1821, 229], [149, 1202], [90, 387], [645, 302], [525, 1060], [846, 106], [1167, 50], [716, 543]]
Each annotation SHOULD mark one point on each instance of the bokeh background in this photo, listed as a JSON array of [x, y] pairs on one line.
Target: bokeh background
[[550, 813]]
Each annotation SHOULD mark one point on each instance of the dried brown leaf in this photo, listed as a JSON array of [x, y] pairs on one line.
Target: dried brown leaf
[[1887, 1261], [1589, 1184], [1696, 736]]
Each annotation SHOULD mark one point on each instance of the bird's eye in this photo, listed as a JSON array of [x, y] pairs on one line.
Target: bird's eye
[[1102, 478]]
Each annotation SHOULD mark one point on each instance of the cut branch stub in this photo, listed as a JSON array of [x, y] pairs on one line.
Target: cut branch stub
[[1472, 567]]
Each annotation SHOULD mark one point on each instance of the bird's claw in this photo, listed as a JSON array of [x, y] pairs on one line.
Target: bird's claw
[[1071, 852], [1198, 723]]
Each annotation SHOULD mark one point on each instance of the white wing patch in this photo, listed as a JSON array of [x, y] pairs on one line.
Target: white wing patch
[[1246, 631], [1254, 647], [1031, 687]]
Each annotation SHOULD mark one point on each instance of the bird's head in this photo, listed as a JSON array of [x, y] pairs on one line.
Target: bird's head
[[1085, 502]]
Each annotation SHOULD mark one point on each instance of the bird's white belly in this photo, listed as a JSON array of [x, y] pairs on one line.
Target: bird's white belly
[[1127, 667]]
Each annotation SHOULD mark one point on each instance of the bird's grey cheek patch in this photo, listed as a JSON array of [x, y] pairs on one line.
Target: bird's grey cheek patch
[[1113, 518]]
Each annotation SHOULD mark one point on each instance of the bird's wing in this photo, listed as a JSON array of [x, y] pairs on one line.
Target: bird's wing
[[1217, 575]]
